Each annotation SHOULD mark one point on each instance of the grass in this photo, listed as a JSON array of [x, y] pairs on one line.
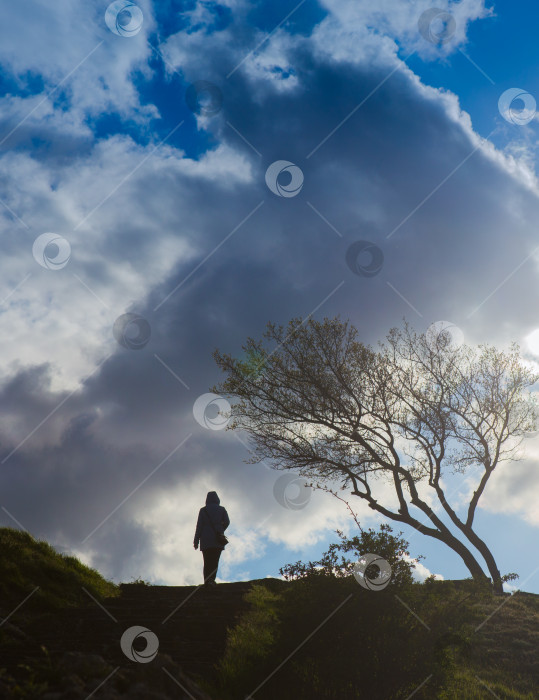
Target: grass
[[34, 576], [503, 654], [251, 641], [26, 563], [479, 645], [469, 685]]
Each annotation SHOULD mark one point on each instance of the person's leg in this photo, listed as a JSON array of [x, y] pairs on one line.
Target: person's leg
[[207, 554], [218, 553], [213, 562]]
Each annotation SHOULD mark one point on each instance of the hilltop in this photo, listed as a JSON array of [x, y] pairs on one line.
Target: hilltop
[[61, 626]]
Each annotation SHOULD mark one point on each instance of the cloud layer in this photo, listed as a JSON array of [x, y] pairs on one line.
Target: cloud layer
[[168, 215]]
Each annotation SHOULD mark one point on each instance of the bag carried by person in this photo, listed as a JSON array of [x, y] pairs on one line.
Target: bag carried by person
[[219, 536]]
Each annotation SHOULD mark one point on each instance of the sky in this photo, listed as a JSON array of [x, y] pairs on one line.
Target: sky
[[175, 175]]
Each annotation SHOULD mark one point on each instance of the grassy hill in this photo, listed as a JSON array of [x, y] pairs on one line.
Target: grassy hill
[[27, 564], [321, 637], [442, 639]]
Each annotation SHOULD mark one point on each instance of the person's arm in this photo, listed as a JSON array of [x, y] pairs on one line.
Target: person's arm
[[226, 519], [198, 529]]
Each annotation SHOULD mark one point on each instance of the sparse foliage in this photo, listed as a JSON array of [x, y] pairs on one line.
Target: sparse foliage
[[334, 564]]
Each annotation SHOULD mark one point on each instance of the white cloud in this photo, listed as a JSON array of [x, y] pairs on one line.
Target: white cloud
[[135, 221], [69, 43], [513, 487], [395, 20], [421, 572]]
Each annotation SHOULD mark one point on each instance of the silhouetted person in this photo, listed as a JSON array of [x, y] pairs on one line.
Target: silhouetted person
[[212, 519]]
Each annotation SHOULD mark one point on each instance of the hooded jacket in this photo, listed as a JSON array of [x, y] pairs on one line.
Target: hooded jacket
[[205, 534]]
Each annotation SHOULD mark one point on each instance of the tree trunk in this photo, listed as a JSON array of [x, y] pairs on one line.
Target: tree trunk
[[474, 539], [494, 572], [467, 557], [441, 533]]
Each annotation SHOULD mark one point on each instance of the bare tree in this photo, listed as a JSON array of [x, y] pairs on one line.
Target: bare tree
[[409, 413]]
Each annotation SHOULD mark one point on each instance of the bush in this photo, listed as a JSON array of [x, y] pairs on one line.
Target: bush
[[327, 637], [250, 643], [390, 547]]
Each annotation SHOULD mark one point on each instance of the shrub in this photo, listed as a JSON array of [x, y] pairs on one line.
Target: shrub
[[390, 547]]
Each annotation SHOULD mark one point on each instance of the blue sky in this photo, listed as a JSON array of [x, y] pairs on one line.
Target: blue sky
[[504, 47], [167, 214]]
